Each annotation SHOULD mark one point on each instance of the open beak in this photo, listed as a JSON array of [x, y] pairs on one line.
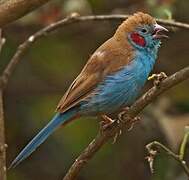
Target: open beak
[[157, 32]]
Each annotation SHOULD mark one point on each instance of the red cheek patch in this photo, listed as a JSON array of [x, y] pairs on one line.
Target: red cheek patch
[[137, 39]]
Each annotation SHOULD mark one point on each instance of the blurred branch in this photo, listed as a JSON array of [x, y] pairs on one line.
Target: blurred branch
[[184, 142], [2, 40], [120, 17], [11, 10], [73, 18], [157, 145], [2, 141], [2, 128], [127, 119]]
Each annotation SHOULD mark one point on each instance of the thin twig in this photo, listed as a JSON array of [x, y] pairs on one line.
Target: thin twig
[[2, 141], [133, 111], [2, 128], [184, 142], [2, 40], [74, 18], [154, 145]]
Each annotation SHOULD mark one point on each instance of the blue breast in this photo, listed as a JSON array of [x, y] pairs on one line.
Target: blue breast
[[121, 88]]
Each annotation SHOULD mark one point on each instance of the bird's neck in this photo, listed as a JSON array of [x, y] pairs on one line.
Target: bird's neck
[[149, 54], [147, 57]]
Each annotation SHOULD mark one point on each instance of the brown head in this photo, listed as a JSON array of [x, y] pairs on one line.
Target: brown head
[[140, 30]]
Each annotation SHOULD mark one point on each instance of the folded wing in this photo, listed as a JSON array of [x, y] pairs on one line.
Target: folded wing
[[107, 59]]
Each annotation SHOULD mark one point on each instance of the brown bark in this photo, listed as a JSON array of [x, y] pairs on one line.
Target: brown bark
[[2, 141], [11, 10]]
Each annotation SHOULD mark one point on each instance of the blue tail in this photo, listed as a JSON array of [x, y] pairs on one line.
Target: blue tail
[[57, 120]]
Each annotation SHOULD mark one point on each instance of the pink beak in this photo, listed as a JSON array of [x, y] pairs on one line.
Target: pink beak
[[157, 30]]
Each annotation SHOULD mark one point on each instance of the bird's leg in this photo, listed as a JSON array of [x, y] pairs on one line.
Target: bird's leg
[[122, 113], [157, 78], [133, 122], [106, 121], [130, 122]]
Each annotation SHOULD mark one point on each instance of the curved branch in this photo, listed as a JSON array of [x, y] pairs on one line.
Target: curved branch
[[156, 144], [134, 110], [74, 18], [11, 10]]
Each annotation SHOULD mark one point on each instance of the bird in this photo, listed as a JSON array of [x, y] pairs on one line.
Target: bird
[[112, 78]]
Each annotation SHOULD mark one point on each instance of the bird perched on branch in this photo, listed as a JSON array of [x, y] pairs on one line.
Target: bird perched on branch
[[112, 78]]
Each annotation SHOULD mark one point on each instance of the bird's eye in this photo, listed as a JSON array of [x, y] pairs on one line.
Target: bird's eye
[[144, 30]]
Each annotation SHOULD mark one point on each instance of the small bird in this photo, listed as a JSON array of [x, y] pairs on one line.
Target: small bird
[[111, 80]]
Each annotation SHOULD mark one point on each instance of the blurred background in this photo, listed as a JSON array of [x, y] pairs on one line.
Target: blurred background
[[50, 66]]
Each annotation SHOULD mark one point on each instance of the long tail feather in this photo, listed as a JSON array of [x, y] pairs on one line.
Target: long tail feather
[[57, 120]]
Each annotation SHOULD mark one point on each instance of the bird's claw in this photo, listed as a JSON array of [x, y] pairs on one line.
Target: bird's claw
[[133, 122], [116, 136], [106, 122], [157, 78], [130, 122], [130, 126], [122, 113], [104, 126]]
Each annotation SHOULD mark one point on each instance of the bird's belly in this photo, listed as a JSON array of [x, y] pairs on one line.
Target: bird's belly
[[107, 101], [116, 91]]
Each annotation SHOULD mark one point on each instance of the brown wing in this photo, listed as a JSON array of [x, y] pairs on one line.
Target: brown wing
[[105, 60], [83, 84]]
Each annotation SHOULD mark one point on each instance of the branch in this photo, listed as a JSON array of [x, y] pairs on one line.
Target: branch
[[160, 146], [73, 18], [183, 144], [2, 128], [2, 40], [2, 141], [11, 10], [133, 111]]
